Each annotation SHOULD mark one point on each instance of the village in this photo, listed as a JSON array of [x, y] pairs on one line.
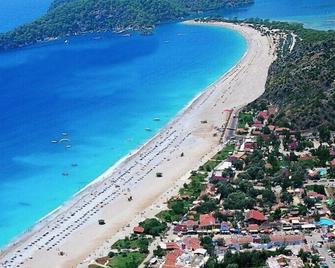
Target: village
[[265, 200]]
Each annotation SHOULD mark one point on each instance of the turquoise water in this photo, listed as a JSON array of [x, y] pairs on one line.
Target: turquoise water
[[103, 93], [326, 221], [319, 14]]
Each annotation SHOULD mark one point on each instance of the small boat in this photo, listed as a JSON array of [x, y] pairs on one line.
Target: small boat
[[148, 129], [157, 119], [64, 140], [54, 141], [66, 41], [68, 146], [64, 134]]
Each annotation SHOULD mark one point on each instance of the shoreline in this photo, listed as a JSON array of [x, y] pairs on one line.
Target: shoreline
[[188, 112]]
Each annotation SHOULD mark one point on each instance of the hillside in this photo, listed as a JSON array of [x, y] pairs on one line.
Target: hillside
[[69, 17], [301, 82]]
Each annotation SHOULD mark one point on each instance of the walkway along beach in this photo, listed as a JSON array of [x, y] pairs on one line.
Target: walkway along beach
[[71, 235]]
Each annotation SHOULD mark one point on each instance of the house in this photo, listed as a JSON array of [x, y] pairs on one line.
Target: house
[[207, 221], [257, 124], [282, 261], [138, 230], [253, 228], [315, 195], [191, 243], [217, 173], [237, 241], [332, 164], [180, 228], [255, 217], [264, 114], [171, 259], [271, 127], [282, 239], [190, 225], [224, 227]]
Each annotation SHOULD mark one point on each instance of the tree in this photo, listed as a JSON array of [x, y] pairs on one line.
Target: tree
[[178, 207], [324, 133], [207, 243], [286, 197], [224, 189], [153, 227], [276, 215], [159, 252], [239, 200], [268, 197], [238, 164]]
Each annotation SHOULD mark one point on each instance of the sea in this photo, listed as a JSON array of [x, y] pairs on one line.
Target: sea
[[69, 109]]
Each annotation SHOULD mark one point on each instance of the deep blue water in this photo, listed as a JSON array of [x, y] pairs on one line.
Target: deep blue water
[[104, 93], [319, 14], [16, 12]]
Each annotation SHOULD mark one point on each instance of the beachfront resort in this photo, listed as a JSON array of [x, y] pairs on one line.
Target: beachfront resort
[[265, 200]]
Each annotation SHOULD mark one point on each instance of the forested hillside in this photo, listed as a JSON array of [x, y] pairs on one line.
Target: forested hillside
[[301, 83], [68, 17]]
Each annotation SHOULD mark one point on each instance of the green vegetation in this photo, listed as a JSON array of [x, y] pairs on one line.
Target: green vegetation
[[69, 17], [301, 82], [320, 189], [244, 118], [194, 188], [246, 259], [127, 260], [224, 153], [153, 227], [132, 243]]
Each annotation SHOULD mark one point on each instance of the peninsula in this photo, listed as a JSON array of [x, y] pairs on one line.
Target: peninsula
[[74, 17]]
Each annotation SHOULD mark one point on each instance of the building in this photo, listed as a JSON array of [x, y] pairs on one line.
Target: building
[[207, 221], [279, 240], [282, 261], [255, 217], [237, 241], [138, 230]]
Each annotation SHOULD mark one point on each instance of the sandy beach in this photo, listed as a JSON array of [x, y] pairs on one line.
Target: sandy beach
[[71, 236]]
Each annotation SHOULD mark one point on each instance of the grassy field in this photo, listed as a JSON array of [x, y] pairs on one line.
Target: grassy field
[[127, 260]]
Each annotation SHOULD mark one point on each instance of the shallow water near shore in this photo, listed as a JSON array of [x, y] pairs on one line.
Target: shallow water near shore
[[108, 93]]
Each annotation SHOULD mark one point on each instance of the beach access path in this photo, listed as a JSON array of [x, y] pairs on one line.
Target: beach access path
[[71, 235]]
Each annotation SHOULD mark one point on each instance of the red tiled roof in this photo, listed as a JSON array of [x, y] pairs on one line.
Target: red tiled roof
[[191, 243], [172, 245], [264, 114], [249, 145], [171, 258], [332, 163], [256, 215], [206, 219], [239, 239], [286, 238], [138, 230], [189, 223]]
